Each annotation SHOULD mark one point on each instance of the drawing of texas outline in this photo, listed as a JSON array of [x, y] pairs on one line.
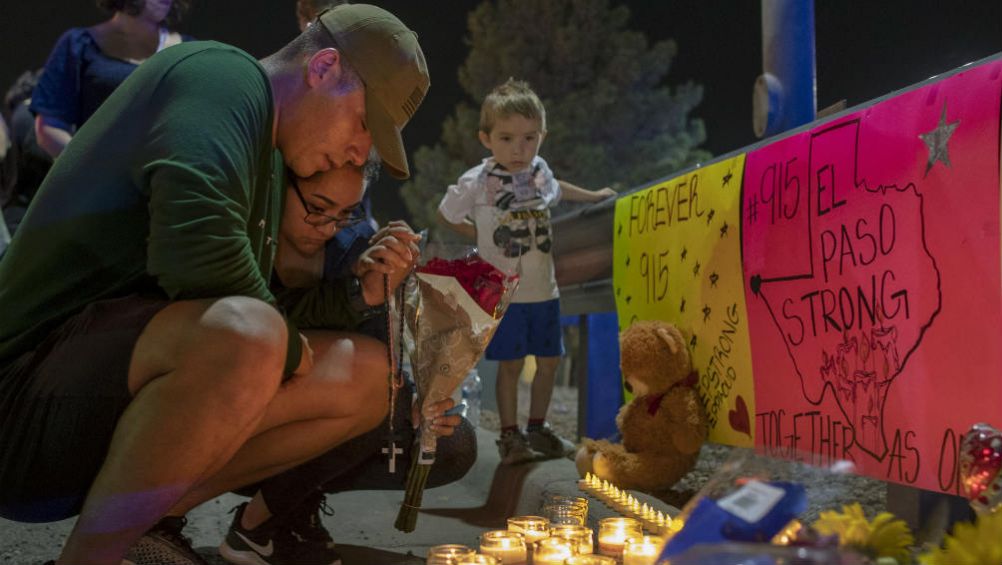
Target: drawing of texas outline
[[852, 319]]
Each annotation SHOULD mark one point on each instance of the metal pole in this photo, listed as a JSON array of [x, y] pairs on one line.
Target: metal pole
[[785, 95]]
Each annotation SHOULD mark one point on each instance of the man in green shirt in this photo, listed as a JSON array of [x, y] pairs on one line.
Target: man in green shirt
[[144, 367]]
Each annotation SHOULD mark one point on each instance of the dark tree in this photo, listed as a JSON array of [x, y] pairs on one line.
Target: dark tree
[[612, 119]]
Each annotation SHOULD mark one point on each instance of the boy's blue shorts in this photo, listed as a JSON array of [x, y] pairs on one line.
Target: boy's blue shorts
[[531, 328]]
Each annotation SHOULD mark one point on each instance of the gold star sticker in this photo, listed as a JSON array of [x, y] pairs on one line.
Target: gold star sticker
[[937, 139]]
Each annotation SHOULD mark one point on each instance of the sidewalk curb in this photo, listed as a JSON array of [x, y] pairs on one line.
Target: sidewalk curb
[[362, 524]]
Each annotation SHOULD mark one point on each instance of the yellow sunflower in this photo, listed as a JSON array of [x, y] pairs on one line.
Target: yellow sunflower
[[885, 536], [970, 544]]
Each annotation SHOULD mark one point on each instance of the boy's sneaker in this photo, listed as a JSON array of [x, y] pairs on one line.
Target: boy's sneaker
[[164, 544], [274, 542], [547, 442], [514, 448]]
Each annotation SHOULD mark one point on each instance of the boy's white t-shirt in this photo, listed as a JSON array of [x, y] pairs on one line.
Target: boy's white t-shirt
[[512, 216]]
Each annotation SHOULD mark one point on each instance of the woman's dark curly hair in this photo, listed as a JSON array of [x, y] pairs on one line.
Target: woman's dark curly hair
[[178, 8]]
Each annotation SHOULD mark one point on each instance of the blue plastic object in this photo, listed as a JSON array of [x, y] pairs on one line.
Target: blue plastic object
[[605, 385], [786, 93]]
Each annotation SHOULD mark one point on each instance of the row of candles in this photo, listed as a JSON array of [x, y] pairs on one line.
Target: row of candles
[[620, 541], [562, 538], [625, 503]]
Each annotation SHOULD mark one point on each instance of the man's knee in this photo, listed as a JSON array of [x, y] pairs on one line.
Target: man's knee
[[241, 340], [247, 323], [251, 338]]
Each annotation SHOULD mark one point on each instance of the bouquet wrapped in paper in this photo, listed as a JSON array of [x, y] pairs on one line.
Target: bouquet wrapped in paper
[[455, 301]]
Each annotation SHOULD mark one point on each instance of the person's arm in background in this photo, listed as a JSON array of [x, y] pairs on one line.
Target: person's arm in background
[[56, 97], [465, 228], [5, 142], [575, 193], [52, 134], [458, 203]]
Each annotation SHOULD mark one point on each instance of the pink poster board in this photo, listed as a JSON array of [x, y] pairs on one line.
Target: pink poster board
[[871, 262]]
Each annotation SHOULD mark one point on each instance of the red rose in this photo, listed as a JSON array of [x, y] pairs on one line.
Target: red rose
[[484, 282]]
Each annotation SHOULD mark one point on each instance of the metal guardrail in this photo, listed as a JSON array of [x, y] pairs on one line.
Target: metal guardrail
[[582, 254], [583, 239]]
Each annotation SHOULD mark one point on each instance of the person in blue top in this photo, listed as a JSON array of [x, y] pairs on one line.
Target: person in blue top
[[88, 63]]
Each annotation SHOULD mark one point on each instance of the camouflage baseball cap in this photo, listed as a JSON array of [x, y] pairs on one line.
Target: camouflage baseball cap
[[388, 59]]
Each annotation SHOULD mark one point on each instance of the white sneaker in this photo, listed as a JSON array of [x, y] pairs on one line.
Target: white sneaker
[[548, 443], [514, 448]]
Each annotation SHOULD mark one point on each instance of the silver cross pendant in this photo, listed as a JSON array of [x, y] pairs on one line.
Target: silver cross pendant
[[392, 451]]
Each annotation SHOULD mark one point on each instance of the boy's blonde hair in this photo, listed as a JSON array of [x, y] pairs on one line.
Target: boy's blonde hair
[[512, 97]]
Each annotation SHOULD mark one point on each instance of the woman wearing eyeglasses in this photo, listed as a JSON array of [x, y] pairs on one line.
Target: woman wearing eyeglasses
[[286, 510], [315, 211]]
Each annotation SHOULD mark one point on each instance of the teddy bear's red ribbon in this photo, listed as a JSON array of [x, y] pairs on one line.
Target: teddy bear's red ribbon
[[654, 401]]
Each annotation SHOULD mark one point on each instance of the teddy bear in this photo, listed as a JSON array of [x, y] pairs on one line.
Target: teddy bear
[[663, 426]]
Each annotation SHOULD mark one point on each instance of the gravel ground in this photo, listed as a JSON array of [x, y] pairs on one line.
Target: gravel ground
[[824, 490]]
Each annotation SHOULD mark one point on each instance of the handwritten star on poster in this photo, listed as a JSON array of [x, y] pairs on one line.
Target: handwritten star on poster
[[936, 140]]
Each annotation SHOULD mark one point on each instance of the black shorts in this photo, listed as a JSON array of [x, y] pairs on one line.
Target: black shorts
[[59, 406]]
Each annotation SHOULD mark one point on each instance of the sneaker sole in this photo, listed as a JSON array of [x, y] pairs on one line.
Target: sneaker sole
[[562, 451], [250, 557], [131, 562], [160, 559], [241, 557]]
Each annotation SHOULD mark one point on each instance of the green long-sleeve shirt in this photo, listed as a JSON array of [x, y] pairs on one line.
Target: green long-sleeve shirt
[[324, 306], [173, 184]]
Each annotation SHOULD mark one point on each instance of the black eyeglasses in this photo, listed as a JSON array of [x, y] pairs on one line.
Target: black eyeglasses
[[346, 219]]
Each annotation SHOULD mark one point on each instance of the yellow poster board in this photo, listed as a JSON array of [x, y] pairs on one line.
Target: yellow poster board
[[677, 258]]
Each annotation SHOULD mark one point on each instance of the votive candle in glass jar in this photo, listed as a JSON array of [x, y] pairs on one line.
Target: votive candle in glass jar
[[534, 528], [448, 554], [563, 509], [643, 551], [564, 500], [552, 551], [613, 533], [590, 560], [477, 559], [508, 547], [583, 536]]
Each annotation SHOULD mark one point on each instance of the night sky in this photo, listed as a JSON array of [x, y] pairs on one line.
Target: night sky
[[865, 48]]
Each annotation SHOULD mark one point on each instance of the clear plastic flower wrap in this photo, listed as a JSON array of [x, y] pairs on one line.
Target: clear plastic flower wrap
[[453, 303]]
